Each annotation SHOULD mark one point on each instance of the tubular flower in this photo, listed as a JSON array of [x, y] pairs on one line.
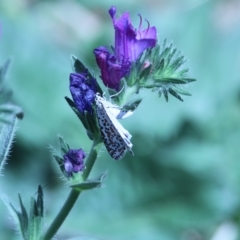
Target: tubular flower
[[129, 45], [112, 71], [129, 42], [83, 90], [73, 161]]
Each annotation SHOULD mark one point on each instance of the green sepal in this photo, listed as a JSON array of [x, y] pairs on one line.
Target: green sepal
[[173, 81], [78, 65], [132, 105], [75, 110], [182, 92], [6, 139], [60, 163], [63, 145], [90, 184], [88, 120], [36, 216], [161, 68], [22, 218], [174, 93], [165, 93], [58, 156], [80, 68], [39, 202]]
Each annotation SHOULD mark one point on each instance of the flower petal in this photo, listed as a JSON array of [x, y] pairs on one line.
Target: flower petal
[[83, 91], [129, 42], [111, 70], [73, 161]]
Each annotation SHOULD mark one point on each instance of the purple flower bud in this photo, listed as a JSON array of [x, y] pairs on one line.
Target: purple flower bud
[[111, 70], [73, 161], [129, 45], [83, 90]]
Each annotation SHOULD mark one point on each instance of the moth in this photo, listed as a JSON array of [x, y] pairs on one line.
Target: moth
[[115, 137]]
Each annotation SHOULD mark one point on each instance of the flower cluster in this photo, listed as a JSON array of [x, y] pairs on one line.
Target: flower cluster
[[129, 45], [135, 61]]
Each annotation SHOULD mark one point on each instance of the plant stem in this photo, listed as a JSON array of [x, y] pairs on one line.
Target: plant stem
[[52, 230], [91, 159], [73, 196], [128, 92]]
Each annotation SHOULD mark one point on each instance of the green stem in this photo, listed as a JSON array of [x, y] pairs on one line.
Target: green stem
[[128, 92], [92, 158], [73, 196], [52, 230]]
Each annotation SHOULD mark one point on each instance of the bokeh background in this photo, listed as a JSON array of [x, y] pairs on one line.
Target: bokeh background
[[184, 180]]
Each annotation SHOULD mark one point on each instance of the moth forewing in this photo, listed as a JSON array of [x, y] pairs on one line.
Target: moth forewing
[[121, 130], [116, 111], [116, 138]]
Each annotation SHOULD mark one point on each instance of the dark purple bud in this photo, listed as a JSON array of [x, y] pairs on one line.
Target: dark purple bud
[[83, 90], [112, 71], [73, 161], [129, 42]]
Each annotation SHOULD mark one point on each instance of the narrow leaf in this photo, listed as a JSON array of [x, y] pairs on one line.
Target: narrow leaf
[[171, 91], [40, 205], [6, 138], [3, 71], [90, 184]]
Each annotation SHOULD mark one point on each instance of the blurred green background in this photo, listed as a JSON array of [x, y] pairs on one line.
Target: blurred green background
[[184, 180]]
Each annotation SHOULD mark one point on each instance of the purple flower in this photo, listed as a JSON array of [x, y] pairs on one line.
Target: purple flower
[[83, 90], [129, 45], [129, 42], [112, 71], [73, 161]]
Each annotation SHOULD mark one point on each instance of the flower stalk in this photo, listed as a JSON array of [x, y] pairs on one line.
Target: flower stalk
[[74, 194]]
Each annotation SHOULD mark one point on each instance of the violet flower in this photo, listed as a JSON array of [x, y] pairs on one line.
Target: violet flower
[[112, 71], [83, 90], [73, 161], [130, 43]]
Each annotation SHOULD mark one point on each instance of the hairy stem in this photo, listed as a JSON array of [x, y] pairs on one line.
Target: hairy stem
[[74, 194]]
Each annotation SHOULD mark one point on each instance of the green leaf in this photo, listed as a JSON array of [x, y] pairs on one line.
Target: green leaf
[[7, 109], [14, 213], [6, 138], [3, 71], [90, 184], [40, 205], [167, 70], [29, 226], [22, 218], [36, 216]]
